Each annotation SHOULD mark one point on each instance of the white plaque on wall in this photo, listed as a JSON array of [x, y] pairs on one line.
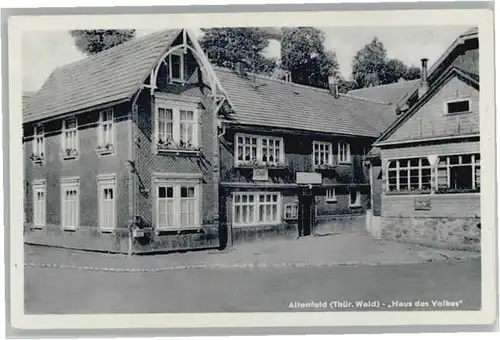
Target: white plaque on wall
[[260, 175]]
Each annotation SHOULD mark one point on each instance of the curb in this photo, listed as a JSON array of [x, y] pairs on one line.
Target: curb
[[234, 266]]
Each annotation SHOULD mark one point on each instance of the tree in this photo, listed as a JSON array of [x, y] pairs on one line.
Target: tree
[[371, 67], [303, 54], [227, 46], [368, 65], [94, 41], [412, 72]]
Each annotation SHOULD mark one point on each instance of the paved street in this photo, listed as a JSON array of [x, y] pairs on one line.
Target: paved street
[[56, 290]]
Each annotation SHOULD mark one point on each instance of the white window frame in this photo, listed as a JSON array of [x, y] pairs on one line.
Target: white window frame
[[260, 147], [180, 54], [176, 109], [294, 207], [448, 166], [408, 168], [39, 217], [256, 207], [456, 101], [106, 146], [357, 203], [328, 154], [347, 159], [106, 181], [74, 154], [177, 181], [70, 183], [38, 141], [330, 195]]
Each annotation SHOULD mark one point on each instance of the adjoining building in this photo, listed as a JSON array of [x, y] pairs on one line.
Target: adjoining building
[[148, 147], [425, 168]]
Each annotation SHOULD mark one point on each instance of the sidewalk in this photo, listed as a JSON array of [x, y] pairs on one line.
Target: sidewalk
[[332, 250]]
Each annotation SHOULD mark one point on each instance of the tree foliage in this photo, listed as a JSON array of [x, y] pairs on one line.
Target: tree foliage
[[94, 41], [304, 55], [227, 46], [372, 67]]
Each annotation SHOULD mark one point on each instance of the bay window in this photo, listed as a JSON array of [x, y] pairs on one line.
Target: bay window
[[176, 128], [259, 150], [412, 174], [255, 208]]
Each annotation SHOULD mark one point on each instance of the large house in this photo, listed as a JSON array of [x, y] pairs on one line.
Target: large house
[[148, 147], [425, 168]]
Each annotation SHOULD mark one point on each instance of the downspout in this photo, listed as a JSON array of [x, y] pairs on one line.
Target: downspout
[[131, 157], [216, 166]]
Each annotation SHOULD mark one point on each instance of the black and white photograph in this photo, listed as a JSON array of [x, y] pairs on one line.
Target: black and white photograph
[[253, 169]]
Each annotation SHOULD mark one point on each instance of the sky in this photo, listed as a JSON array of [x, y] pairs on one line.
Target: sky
[[43, 51]]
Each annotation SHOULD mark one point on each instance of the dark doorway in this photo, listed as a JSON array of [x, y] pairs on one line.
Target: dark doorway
[[306, 215]]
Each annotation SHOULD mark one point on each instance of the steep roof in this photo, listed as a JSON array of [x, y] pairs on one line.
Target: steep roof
[[275, 103], [454, 71], [388, 94], [27, 95], [453, 57], [110, 76]]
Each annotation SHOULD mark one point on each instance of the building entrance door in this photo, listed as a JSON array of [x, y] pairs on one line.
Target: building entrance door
[[306, 214]]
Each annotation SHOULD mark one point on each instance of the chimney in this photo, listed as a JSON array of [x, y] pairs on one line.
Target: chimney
[[240, 68], [424, 85], [333, 86]]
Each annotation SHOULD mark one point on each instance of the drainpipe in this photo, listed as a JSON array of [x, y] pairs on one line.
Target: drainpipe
[[131, 157]]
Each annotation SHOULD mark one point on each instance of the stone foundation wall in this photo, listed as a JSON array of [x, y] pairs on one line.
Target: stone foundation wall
[[441, 232], [340, 224]]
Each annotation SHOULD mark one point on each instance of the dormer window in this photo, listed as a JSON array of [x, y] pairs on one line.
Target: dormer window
[[457, 106], [176, 67]]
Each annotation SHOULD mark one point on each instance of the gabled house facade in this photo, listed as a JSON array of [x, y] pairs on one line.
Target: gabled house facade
[[426, 167], [148, 147]]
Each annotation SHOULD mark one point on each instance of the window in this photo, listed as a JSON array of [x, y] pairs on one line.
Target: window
[[412, 174], [106, 185], [178, 203], [322, 154], [344, 152], [458, 106], [39, 202], [459, 173], [69, 138], [259, 150], [330, 195], [176, 66], [256, 208], [176, 128], [354, 198], [38, 143], [106, 132], [291, 211], [70, 203]]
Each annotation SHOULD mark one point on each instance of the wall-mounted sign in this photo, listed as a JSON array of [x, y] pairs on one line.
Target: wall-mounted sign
[[260, 175], [423, 203], [308, 178]]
